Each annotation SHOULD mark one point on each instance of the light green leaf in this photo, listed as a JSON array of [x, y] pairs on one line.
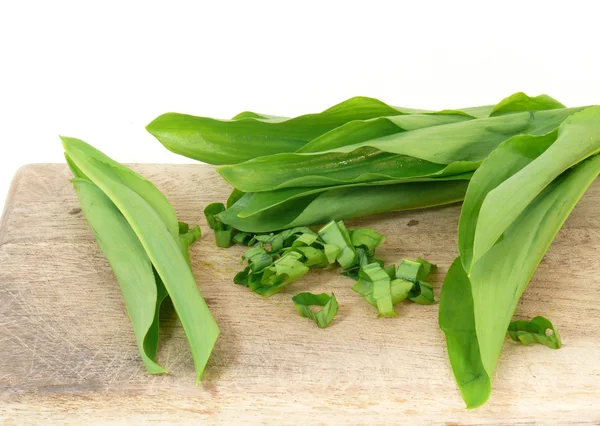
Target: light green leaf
[[251, 135], [499, 278], [578, 138], [223, 232], [130, 264], [367, 238], [336, 233], [322, 318], [457, 321], [538, 330], [152, 223]]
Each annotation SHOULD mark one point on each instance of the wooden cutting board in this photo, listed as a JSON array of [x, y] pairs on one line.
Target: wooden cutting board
[[69, 353]]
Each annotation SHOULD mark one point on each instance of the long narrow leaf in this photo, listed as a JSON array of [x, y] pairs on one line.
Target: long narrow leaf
[[130, 264], [250, 135], [163, 250], [344, 203], [499, 277]]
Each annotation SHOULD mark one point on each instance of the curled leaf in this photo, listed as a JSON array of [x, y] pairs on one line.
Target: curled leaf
[[323, 317], [223, 232], [538, 330]]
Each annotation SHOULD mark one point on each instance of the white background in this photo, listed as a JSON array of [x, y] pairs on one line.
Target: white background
[[101, 71]]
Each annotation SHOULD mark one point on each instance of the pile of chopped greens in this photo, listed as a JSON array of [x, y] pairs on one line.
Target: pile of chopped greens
[[278, 259], [520, 166]]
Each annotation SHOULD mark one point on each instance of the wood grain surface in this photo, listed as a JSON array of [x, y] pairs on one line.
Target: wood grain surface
[[69, 354]]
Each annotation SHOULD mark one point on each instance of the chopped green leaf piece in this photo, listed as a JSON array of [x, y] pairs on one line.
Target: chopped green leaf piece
[[409, 270], [367, 238], [242, 238], [337, 234], [331, 252], [426, 269], [258, 259], [382, 294], [223, 232], [538, 330], [400, 290], [322, 318], [305, 240], [421, 293], [313, 257], [283, 271]]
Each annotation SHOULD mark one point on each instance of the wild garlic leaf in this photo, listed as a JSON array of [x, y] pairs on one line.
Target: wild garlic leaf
[[336, 233], [223, 232], [494, 278], [345, 203], [250, 135], [303, 301], [153, 221], [539, 330]]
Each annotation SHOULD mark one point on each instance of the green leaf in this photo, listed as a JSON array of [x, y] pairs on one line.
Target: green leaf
[[330, 169], [312, 257], [258, 259], [409, 270], [521, 102], [285, 270], [323, 317], [577, 138], [223, 232], [421, 293], [457, 321], [415, 272], [415, 154], [235, 195], [242, 238], [367, 238], [426, 269], [345, 203], [251, 135], [130, 264], [499, 276], [336, 233], [381, 291], [538, 330], [144, 209], [261, 201]]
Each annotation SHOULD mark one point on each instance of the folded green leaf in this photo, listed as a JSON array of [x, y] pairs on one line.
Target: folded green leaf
[[131, 266], [538, 330], [498, 276], [416, 272], [367, 238], [420, 153], [322, 318], [285, 270], [251, 135], [152, 220], [223, 232], [344, 203], [335, 233]]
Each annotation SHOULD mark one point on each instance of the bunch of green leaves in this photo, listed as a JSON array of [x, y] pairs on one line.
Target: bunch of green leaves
[[147, 248], [386, 286], [357, 158], [515, 205]]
